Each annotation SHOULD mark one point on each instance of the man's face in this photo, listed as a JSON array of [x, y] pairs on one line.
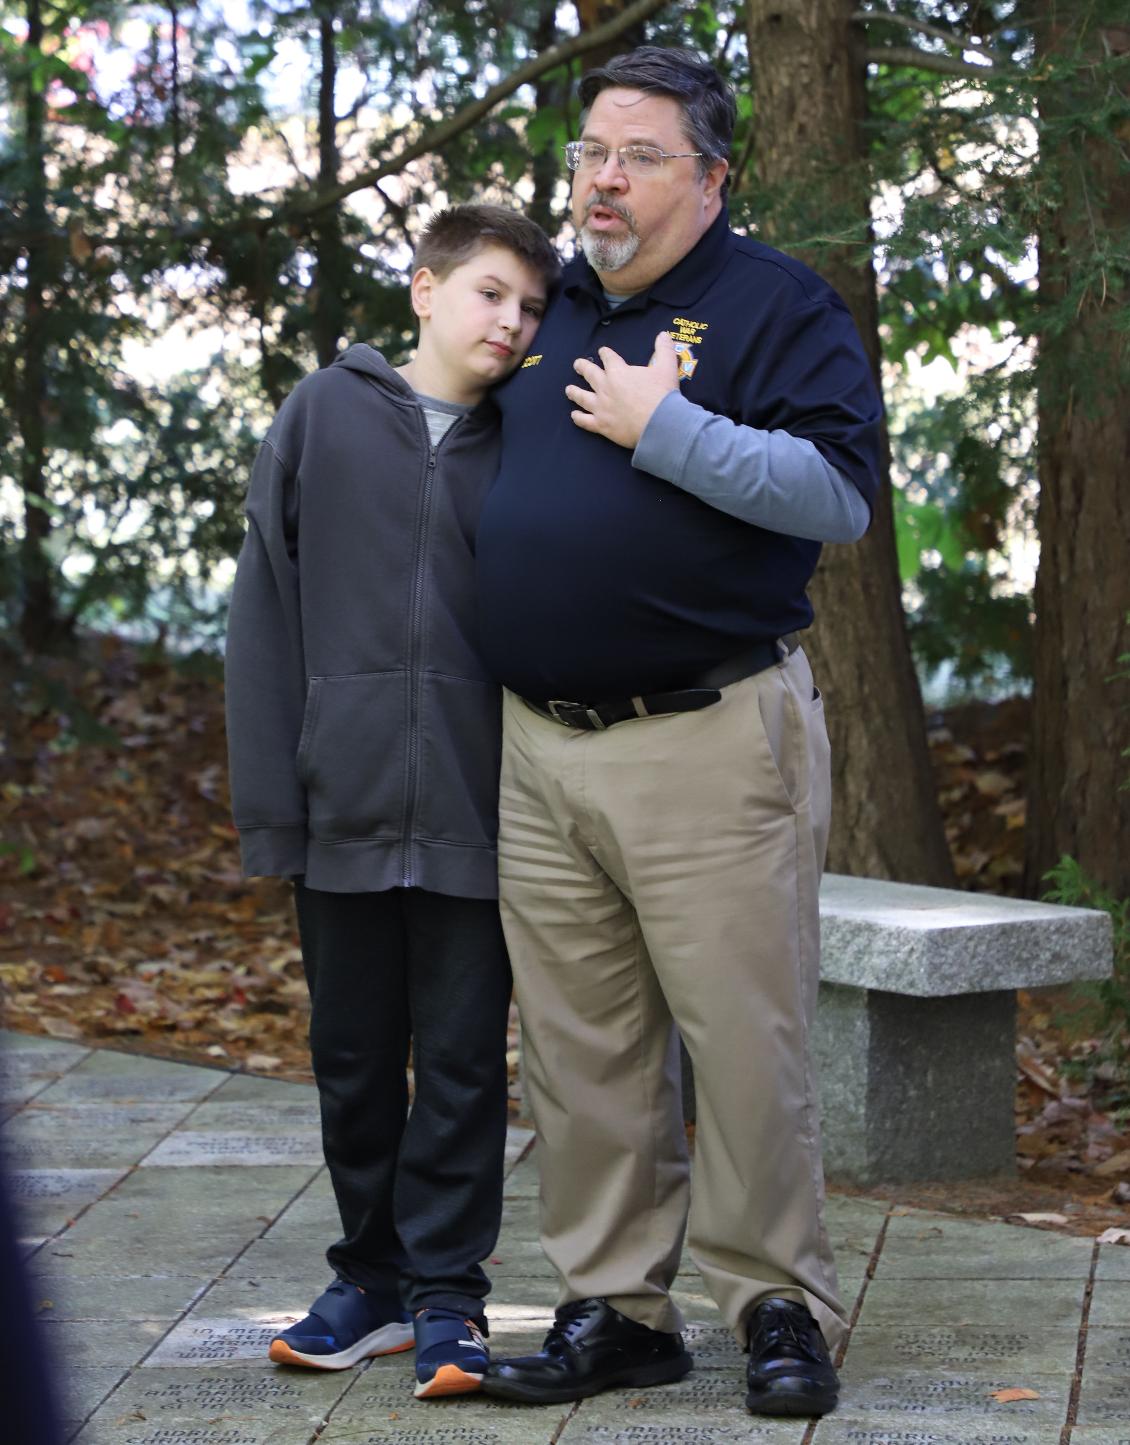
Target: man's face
[[633, 229], [482, 317]]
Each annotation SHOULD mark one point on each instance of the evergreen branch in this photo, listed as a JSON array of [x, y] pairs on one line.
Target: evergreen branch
[[302, 207], [463, 119], [908, 22], [925, 60]]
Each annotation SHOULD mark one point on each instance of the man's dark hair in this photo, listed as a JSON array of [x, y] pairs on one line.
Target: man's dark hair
[[708, 104], [454, 236]]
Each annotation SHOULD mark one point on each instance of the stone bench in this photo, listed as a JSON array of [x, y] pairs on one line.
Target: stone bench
[[915, 1036], [916, 1021]]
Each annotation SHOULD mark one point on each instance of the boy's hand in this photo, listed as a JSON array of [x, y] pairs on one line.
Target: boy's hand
[[622, 397]]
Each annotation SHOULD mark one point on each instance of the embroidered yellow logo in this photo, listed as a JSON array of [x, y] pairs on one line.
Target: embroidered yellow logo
[[531, 361], [683, 329], [687, 334]]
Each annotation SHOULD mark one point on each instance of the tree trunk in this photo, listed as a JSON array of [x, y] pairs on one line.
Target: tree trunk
[[332, 258], [40, 626], [809, 105], [1078, 802], [550, 90], [594, 13], [174, 86]]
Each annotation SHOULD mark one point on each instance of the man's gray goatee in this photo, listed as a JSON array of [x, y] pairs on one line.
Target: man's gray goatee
[[608, 253]]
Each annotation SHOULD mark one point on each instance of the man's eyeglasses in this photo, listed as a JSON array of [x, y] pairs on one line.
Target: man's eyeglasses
[[590, 155]]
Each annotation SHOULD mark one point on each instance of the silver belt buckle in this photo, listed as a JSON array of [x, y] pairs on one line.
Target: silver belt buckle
[[551, 708], [554, 704]]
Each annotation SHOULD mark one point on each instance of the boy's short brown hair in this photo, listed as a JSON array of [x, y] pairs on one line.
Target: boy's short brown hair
[[452, 237]]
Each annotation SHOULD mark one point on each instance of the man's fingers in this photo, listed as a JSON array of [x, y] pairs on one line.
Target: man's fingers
[[585, 421], [665, 356], [584, 398]]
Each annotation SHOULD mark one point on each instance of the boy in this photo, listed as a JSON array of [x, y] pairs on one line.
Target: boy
[[364, 736]]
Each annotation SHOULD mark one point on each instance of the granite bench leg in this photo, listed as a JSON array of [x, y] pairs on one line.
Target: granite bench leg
[[912, 1088], [916, 1088]]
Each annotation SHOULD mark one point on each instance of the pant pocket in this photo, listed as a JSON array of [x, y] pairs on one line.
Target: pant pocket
[[783, 733]]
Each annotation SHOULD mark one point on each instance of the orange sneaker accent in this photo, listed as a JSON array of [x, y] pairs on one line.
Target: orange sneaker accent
[[449, 1380], [281, 1353]]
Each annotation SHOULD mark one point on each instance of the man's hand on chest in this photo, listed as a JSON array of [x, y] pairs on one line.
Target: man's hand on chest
[[619, 399]]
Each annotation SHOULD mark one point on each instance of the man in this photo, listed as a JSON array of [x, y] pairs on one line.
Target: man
[[665, 783]]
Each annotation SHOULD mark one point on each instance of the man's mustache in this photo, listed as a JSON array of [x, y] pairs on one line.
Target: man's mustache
[[609, 203]]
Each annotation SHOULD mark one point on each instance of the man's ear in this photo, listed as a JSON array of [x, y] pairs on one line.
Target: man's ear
[[423, 283], [712, 181]]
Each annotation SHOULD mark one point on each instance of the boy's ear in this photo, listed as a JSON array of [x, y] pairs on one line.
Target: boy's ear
[[423, 283]]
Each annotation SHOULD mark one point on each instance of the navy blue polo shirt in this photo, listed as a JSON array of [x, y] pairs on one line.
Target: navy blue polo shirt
[[598, 580]]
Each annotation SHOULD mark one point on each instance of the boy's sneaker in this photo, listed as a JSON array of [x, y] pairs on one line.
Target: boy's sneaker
[[451, 1354], [345, 1324]]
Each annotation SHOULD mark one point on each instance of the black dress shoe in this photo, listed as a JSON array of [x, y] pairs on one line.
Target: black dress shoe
[[590, 1348], [790, 1370]]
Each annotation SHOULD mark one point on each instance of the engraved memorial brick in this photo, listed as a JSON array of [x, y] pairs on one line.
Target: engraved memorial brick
[[188, 1147], [212, 1341], [164, 1435], [679, 1432], [842, 1432], [202, 1395], [915, 1393], [77, 1185], [246, 1116]]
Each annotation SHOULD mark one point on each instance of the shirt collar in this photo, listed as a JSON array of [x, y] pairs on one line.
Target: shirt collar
[[681, 286]]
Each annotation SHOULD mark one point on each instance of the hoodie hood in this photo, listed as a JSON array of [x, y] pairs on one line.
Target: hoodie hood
[[369, 362]]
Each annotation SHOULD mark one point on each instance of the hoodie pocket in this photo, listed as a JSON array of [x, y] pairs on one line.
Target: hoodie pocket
[[351, 755], [460, 748]]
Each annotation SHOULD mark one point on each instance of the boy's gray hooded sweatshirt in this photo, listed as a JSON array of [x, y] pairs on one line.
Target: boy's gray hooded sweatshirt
[[363, 730]]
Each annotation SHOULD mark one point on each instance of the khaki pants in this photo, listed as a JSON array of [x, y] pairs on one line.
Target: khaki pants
[[664, 870]]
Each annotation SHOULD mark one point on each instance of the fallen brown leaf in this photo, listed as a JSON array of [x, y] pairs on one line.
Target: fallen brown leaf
[[1038, 1072], [61, 1028], [992, 784], [1016, 1392]]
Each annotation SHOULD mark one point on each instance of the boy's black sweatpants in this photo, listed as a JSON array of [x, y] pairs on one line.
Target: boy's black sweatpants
[[420, 1193]]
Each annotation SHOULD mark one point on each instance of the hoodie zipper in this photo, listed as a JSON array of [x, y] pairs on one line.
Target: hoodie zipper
[[415, 643]]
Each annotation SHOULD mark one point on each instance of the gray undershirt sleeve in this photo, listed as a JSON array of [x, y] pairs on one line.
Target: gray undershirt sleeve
[[774, 480]]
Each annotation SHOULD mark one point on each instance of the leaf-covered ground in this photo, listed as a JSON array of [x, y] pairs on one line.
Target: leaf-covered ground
[[124, 919]]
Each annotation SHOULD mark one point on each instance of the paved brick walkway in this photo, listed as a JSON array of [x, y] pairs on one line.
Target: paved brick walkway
[[176, 1215]]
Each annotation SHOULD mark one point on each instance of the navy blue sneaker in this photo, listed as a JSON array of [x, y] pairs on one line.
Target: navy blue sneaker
[[345, 1324], [451, 1354]]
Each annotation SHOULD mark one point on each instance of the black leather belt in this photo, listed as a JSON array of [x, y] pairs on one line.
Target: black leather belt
[[701, 691]]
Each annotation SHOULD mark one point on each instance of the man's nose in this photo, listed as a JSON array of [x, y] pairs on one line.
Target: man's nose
[[611, 175]]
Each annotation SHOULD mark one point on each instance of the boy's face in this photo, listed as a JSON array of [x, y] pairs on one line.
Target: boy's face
[[477, 323]]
